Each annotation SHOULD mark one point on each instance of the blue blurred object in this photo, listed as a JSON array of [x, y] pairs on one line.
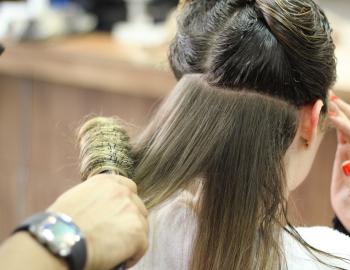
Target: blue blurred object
[[59, 3], [43, 19]]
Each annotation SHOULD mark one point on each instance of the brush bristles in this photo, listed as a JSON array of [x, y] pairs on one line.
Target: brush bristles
[[104, 148]]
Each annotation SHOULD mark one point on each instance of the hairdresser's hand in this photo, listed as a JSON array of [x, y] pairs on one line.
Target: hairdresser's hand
[[113, 218], [340, 190]]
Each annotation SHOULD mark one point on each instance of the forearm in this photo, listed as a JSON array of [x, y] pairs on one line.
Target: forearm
[[21, 251]]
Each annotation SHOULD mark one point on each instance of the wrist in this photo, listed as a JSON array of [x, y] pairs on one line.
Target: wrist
[[91, 263], [58, 235], [29, 252]]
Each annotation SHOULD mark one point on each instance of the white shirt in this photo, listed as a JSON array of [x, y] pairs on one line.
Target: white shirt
[[172, 228]]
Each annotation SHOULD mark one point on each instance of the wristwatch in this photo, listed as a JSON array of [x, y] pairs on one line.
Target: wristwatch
[[59, 235]]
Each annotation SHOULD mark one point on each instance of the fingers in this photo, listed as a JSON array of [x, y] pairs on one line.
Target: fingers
[[126, 182], [116, 179], [340, 120], [140, 205], [346, 167], [142, 243], [136, 199], [341, 137], [342, 124], [335, 110], [343, 106]]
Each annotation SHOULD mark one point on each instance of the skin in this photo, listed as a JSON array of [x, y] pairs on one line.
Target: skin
[[110, 214], [340, 188], [302, 152], [21, 249]]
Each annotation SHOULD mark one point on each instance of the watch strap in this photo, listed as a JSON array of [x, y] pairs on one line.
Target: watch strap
[[76, 260], [78, 257]]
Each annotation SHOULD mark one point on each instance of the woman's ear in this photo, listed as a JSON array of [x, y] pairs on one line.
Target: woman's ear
[[309, 119]]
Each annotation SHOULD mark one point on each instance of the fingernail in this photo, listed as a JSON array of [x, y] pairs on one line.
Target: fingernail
[[332, 114], [334, 97], [346, 167]]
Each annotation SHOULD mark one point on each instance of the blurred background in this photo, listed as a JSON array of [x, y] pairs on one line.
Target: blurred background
[[68, 60]]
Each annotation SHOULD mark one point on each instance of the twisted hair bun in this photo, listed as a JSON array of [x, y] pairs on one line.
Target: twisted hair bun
[[282, 48]]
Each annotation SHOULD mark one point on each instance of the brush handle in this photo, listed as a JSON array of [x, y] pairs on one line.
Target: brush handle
[[105, 149]]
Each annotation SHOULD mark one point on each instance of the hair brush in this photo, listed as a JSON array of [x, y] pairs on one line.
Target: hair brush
[[105, 148]]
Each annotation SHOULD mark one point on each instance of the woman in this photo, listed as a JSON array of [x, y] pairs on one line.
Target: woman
[[294, 56], [219, 159]]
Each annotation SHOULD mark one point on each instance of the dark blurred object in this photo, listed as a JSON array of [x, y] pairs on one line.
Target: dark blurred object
[[159, 9], [2, 49], [110, 12]]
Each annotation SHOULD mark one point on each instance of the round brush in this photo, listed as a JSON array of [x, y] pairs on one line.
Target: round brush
[[105, 148]]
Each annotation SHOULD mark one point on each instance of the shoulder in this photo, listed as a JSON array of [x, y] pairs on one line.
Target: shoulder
[[326, 239], [177, 207], [322, 238], [172, 228], [174, 222]]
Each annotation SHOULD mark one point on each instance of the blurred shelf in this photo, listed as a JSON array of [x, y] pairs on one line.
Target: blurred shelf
[[47, 90], [342, 40], [97, 62], [91, 61]]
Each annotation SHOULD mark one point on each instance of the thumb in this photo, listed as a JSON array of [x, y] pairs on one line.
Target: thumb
[[341, 137]]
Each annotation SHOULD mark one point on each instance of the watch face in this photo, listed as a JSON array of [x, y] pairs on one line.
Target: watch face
[[58, 234]]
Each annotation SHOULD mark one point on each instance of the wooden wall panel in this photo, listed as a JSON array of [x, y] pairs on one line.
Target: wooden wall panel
[[10, 118], [38, 151], [57, 112]]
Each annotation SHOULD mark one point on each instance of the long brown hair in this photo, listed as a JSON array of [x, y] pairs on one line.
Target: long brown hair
[[261, 60], [234, 141]]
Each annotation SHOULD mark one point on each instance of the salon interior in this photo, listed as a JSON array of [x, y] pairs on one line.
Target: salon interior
[[67, 61]]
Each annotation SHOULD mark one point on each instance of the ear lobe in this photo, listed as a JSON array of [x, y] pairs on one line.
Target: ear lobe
[[309, 119]]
